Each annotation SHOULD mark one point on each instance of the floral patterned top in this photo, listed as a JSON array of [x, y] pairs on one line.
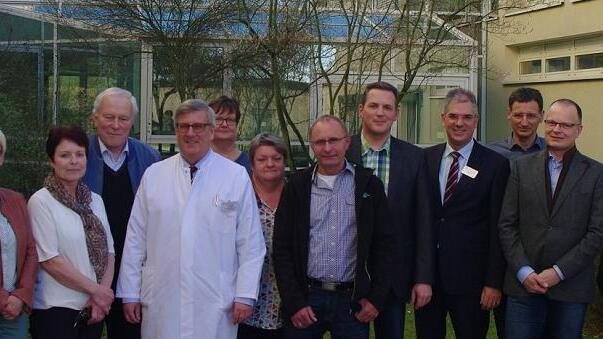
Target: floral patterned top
[[267, 309]]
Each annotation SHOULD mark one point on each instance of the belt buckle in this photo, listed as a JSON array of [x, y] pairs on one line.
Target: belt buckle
[[329, 286]]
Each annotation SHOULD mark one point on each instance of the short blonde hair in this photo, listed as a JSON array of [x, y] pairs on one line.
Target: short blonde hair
[[2, 143]]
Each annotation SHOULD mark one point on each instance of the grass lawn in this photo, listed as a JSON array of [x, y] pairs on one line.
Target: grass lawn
[[593, 328]]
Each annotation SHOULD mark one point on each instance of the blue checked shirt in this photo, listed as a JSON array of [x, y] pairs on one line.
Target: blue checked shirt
[[332, 250], [377, 160]]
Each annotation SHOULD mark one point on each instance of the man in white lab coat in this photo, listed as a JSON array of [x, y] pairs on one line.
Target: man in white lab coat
[[194, 247]]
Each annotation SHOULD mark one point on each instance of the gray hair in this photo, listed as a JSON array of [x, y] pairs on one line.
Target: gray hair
[[460, 95], [115, 91], [195, 105], [265, 139], [2, 143], [325, 118]]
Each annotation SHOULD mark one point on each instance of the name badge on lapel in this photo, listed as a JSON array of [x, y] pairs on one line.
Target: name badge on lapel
[[470, 172]]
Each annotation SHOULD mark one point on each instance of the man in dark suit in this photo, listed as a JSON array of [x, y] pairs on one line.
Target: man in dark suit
[[333, 243], [551, 229], [401, 168], [468, 182]]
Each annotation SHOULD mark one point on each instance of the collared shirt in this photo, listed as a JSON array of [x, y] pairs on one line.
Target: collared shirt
[[512, 151], [555, 167], [464, 152], [8, 244], [199, 164], [332, 245], [109, 159], [377, 159]]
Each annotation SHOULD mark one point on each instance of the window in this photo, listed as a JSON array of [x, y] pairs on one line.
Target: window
[[558, 64], [588, 61], [525, 6], [531, 67]]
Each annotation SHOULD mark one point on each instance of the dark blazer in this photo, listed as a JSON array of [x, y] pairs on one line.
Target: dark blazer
[[14, 209], [291, 239], [569, 236], [466, 235], [408, 198]]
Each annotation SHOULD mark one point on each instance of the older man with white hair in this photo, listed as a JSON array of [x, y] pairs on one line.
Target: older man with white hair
[[115, 166]]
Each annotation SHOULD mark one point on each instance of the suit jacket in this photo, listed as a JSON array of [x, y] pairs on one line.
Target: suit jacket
[[468, 253], [14, 209], [569, 236], [291, 240], [408, 200]]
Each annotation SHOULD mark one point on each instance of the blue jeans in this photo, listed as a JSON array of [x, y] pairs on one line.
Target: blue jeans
[[14, 329], [536, 316], [390, 322], [334, 313]]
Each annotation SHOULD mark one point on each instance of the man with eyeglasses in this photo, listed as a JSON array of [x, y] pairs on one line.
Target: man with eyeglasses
[[401, 168], [551, 230], [114, 169], [468, 182], [194, 248], [524, 113], [332, 244]]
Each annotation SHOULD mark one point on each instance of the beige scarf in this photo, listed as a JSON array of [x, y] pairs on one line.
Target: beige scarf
[[96, 239]]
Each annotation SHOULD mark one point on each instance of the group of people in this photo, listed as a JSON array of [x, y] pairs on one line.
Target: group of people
[[216, 243]]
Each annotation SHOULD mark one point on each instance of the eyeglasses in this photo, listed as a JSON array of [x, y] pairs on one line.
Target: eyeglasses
[[324, 142], [229, 122], [562, 125], [461, 117], [197, 127], [529, 116]]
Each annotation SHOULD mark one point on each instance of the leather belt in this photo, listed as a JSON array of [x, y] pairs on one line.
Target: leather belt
[[331, 286]]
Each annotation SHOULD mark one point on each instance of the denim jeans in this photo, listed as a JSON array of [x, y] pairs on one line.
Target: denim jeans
[[536, 316], [334, 313], [14, 329]]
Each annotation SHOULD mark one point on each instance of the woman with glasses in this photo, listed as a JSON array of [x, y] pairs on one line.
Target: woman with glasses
[[267, 154], [224, 143], [74, 243], [18, 261]]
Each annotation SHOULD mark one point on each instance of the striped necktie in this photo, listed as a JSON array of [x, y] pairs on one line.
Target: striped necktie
[[193, 170], [453, 175]]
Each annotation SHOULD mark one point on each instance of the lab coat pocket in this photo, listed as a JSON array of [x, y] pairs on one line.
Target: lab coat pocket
[[224, 216], [146, 287]]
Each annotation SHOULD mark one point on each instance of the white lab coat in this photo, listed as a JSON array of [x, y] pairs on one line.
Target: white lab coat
[[189, 251]]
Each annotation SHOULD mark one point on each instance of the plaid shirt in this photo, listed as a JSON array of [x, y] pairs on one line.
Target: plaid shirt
[[377, 160]]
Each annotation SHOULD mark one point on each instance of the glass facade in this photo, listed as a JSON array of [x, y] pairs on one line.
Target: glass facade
[[53, 69], [46, 81]]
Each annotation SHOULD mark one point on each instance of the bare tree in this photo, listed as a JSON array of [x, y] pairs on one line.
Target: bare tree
[[276, 36]]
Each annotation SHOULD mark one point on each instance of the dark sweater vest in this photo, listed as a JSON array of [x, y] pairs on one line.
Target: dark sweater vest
[[118, 198]]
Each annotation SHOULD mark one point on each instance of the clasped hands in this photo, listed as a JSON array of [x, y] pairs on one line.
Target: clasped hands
[[541, 282]]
